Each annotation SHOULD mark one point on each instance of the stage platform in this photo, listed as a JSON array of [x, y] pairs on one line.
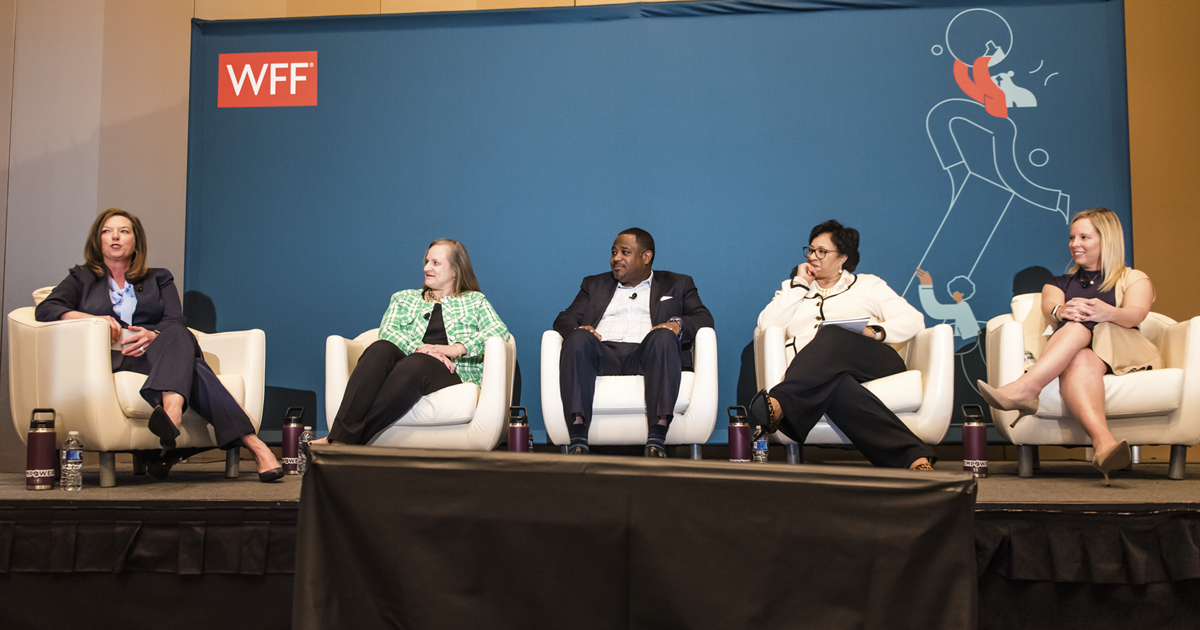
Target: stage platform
[[1058, 550]]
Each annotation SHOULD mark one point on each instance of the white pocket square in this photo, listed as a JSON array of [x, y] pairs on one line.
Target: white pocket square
[[664, 298]]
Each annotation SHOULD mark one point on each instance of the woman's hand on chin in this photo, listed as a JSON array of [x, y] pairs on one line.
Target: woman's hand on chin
[[805, 273]]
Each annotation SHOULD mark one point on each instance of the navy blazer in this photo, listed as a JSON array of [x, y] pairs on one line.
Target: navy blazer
[[158, 304], [683, 301]]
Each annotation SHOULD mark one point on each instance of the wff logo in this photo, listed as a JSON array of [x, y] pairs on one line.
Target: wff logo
[[274, 79]]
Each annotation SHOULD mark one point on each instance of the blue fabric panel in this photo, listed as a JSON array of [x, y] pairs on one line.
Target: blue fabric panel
[[535, 136]]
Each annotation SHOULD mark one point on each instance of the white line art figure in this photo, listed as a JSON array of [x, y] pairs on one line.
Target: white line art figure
[[963, 130], [961, 289], [1015, 95], [1048, 78]]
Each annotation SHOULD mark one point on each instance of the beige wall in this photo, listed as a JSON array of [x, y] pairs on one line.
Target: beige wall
[[1164, 133], [95, 94]]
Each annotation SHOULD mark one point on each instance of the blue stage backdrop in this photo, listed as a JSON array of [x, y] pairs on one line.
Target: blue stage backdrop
[[957, 138]]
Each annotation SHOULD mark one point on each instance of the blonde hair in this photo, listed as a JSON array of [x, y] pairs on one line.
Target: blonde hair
[[1112, 245], [460, 262], [93, 256]]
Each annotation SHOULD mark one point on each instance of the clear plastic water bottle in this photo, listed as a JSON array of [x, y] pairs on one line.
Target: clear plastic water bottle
[[305, 437], [72, 463], [1029, 361], [760, 448]]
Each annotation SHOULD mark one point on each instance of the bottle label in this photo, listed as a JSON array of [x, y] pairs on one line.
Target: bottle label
[[73, 455], [760, 445], [291, 461], [39, 474]]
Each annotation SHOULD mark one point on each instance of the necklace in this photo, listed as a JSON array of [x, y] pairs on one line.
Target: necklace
[[823, 292], [1086, 279]]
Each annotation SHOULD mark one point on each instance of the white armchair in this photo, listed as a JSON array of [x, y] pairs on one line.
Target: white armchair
[[922, 396], [463, 416], [66, 365], [1155, 407], [619, 404]]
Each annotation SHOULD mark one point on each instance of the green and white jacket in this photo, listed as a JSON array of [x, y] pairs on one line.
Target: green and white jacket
[[469, 320]]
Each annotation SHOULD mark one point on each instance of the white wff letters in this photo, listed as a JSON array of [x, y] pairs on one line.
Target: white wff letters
[[256, 83]]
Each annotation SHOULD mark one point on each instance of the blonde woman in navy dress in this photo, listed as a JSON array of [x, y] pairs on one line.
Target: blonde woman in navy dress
[[1098, 298]]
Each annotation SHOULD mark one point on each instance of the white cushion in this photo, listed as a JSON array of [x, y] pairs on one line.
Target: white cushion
[[899, 392], [129, 387], [451, 405], [1149, 393], [623, 395]]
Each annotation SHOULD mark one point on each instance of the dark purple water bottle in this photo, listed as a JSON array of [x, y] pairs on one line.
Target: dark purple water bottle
[[739, 435], [292, 428], [40, 452], [519, 440], [974, 438]]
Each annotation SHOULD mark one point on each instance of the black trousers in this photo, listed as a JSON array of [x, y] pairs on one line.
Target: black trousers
[[825, 378], [173, 363], [584, 357], [384, 385]]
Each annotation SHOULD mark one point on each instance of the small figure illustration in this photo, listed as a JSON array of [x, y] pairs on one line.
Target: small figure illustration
[[966, 327], [1015, 95]]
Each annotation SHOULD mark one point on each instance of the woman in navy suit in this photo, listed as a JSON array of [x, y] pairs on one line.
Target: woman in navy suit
[[115, 285]]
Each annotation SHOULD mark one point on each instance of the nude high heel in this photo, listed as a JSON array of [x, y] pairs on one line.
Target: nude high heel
[[1115, 458], [1025, 407]]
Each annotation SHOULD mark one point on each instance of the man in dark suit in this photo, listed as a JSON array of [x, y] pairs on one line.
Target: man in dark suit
[[631, 321]]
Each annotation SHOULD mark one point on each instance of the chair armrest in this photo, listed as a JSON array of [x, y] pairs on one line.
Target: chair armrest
[[552, 411], [495, 393], [341, 357], [770, 360], [931, 353], [64, 365], [241, 352], [1178, 346], [701, 415]]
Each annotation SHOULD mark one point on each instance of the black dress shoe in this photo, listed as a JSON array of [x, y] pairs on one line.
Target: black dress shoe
[[578, 449], [159, 468], [654, 450], [161, 426], [268, 476]]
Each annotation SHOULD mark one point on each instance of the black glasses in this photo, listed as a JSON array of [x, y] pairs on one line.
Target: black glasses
[[819, 252]]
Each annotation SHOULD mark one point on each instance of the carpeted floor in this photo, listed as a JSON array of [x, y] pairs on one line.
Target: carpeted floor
[[1058, 482]]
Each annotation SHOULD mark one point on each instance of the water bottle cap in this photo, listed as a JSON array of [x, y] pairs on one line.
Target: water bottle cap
[[308, 428], [72, 433]]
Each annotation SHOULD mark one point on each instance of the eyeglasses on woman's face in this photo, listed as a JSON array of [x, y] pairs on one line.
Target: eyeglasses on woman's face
[[819, 253]]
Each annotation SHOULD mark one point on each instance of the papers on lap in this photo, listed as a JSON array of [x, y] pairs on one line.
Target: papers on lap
[[857, 324]]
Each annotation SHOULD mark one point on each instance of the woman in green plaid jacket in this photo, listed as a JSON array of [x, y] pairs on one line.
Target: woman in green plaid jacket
[[430, 338]]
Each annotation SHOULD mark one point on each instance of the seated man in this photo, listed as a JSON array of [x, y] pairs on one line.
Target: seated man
[[631, 321]]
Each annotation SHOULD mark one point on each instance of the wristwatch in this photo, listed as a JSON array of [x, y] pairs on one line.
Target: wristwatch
[[679, 322], [878, 332]]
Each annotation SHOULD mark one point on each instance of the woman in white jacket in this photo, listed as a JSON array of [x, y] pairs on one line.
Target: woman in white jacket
[[828, 364]]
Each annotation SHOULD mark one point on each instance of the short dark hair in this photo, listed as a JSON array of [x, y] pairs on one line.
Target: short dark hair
[[845, 239], [644, 240]]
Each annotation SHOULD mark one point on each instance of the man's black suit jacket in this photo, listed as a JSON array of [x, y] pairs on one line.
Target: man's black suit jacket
[[671, 295]]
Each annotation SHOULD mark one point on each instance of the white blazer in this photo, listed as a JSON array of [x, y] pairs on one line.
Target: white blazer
[[799, 310]]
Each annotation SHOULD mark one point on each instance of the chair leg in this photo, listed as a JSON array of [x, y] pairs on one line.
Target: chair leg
[[696, 454], [139, 465], [1026, 454], [1178, 461], [1037, 458], [108, 469], [1134, 459], [564, 448], [233, 462], [794, 454]]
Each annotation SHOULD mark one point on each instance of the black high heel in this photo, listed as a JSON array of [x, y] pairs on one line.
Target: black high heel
[[760, 412], [161, 426], [271, 475]]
